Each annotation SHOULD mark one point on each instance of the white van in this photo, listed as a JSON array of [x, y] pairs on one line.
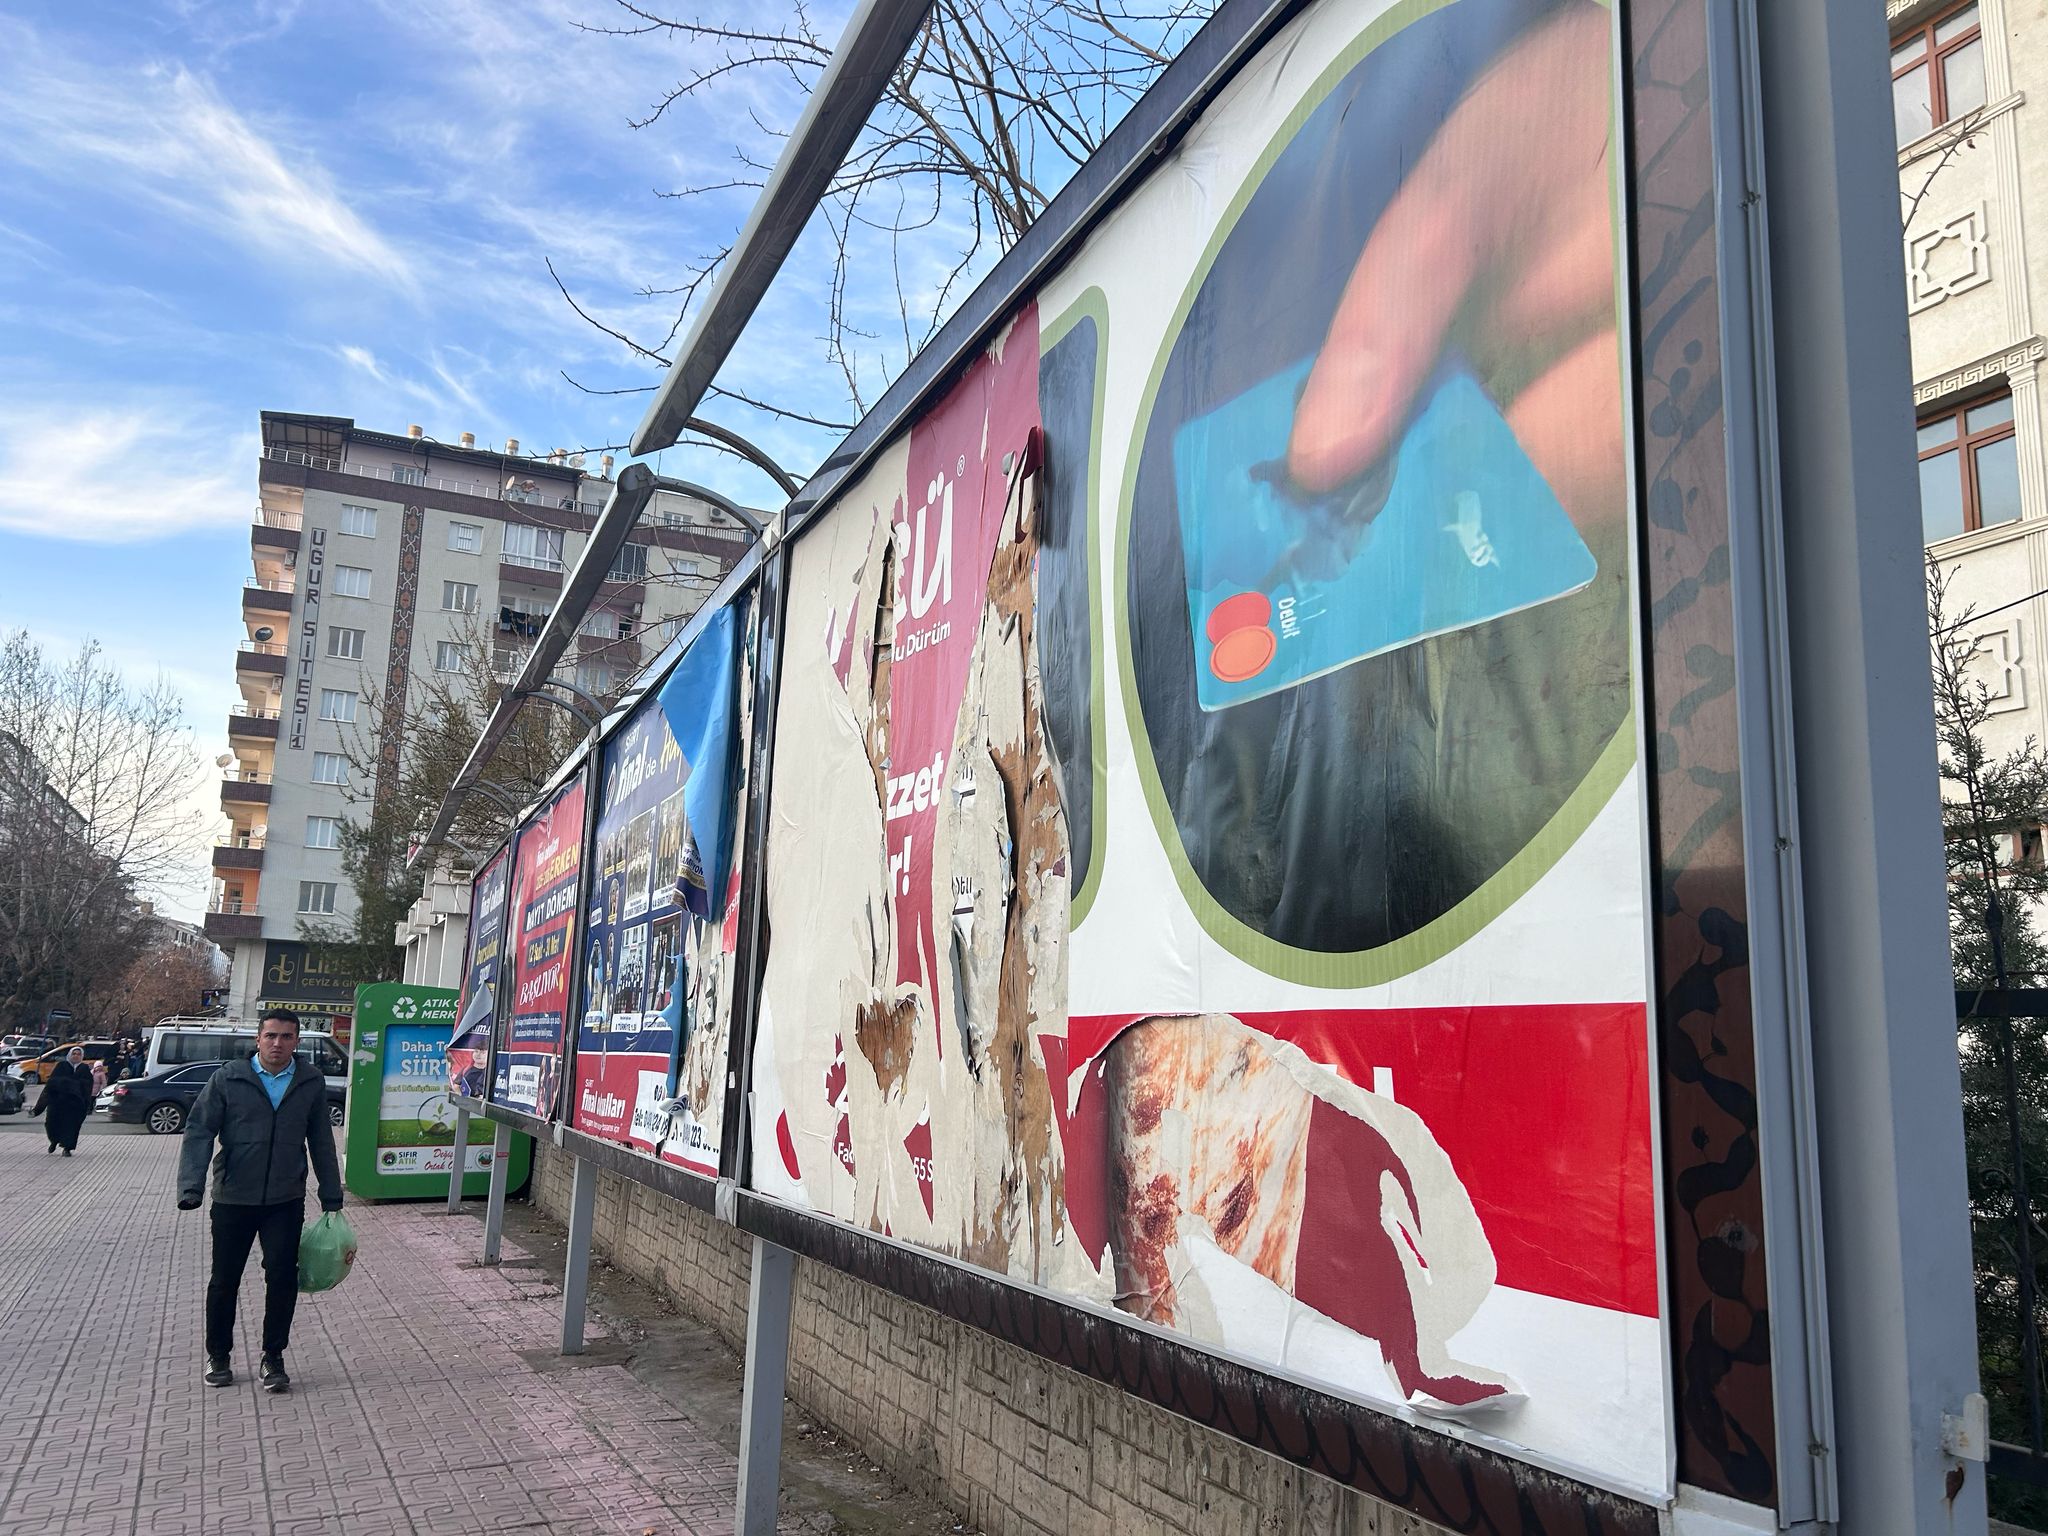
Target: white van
[[179, 1043]]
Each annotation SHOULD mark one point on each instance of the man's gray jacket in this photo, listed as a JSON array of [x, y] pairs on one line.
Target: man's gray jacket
[[263, 1151]]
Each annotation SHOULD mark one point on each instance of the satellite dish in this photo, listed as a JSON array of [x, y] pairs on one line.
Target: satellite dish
[[225, 760], [263, 633]]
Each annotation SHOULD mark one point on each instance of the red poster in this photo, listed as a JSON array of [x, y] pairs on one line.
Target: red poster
[[941, 553], [540, 938]]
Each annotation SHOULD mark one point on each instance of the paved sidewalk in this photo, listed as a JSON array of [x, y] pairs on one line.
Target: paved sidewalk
[[426, 1401]]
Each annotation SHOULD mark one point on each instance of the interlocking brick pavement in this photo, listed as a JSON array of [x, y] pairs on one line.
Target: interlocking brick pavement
[[418, 1407]]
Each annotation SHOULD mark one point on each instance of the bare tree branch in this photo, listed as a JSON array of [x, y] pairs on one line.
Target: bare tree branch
[[99, 809], [993, 107]]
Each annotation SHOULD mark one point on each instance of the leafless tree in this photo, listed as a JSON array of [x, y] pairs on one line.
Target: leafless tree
[[995, 104], [99, 806], [164, 980]]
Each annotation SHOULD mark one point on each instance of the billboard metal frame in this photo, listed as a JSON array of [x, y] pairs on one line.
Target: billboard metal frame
[[1745, 1126]]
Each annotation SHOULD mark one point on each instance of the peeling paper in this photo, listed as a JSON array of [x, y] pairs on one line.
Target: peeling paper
[[1419, 872]]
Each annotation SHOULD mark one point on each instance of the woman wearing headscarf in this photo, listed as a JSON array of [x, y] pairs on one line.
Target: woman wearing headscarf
[[67, 1096]]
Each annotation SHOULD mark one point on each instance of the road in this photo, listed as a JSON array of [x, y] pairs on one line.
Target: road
[[427, 1399]]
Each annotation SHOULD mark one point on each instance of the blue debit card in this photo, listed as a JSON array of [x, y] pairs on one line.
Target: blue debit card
[[1455, 528]]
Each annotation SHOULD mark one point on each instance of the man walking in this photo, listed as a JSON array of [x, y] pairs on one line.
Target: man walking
[[269, 1115]]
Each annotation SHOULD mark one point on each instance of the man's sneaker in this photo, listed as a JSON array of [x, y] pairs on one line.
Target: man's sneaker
[[273, 1376], [219, 1373]]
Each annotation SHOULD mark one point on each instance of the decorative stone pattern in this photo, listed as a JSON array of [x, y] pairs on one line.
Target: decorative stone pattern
[[1016, 1444], [1985, 370], [1998, 666], [398, 674], [1950, 258]]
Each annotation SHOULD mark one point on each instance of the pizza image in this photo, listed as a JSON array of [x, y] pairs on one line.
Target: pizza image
[[1224, 1138]]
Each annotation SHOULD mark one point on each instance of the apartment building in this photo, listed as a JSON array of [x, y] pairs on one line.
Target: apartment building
[[1970, 93], [381, 564]]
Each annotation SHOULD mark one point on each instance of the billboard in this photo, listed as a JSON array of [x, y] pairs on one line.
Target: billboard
[[540, 941], [469, 1043], [661, 918], [1207, 796]]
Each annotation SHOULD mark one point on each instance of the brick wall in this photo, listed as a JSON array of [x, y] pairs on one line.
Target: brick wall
[[1020, 1446]]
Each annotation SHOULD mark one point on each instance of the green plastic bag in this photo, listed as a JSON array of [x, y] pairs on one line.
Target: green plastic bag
[[327, 1249]]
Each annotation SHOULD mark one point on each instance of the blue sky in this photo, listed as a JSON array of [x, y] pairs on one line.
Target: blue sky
[[212, 209]]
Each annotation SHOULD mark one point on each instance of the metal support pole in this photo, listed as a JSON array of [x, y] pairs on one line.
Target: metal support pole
[[1895, 1214], [494, 1208], [461, 1159], [768, 1296], [576, 1270]]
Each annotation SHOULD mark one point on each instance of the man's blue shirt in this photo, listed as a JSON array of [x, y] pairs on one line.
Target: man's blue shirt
[[274, 1083]]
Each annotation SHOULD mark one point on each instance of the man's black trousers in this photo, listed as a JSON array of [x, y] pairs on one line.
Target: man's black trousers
[[235, 1228]]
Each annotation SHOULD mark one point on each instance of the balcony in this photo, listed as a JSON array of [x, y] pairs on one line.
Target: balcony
[[516, 488], [253, 724], [619, 650], [241, 851], [245, 786], [226, 921], [273, 597], [264, 656], [530, 571], [272, 532]]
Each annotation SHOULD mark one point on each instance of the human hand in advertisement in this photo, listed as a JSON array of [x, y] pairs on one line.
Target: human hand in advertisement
[[1500, 241]]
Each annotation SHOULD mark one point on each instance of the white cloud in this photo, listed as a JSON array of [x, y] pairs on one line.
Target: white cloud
[[222, 28], [166, 135], [104, 468]]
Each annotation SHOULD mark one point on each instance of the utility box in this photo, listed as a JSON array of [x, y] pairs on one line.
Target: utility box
[[399, 1143]]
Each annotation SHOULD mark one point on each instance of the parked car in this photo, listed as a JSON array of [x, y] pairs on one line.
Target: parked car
[[26, 1045], [175, 1045], [164, 1098], [160, 1102], [37, 1069], [163, 1101]]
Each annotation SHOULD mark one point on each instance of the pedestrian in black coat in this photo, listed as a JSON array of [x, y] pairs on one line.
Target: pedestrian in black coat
[[67, 1100]]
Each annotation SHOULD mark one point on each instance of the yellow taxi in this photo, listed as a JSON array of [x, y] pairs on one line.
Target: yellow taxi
[[37, 1069]]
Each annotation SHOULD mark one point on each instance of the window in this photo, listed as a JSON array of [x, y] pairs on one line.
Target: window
[[629, 564], [538, 547], [600, 624], [2019, 847], [316, 896], [594, 677], [523, 616], [361, 522], [323, 832], [458, 596], [330, 768], [1969, 468], [351, 581], [345, 643], [450, 656], [408, 474], [182, 1045], [1937, 72], [466, 538], [337, 704]]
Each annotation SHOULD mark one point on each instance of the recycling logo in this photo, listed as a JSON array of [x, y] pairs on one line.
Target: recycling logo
[[403, 1008]]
